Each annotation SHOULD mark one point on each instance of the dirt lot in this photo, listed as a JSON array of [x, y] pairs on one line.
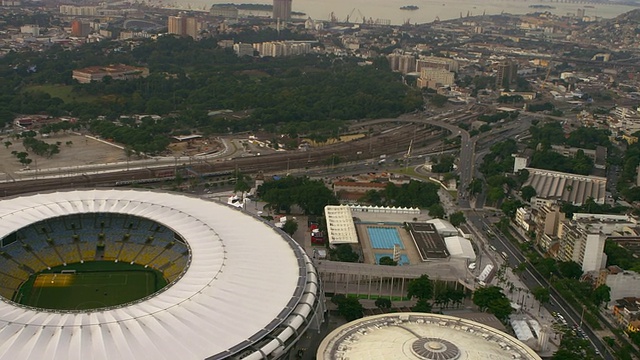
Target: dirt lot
[[82, 151]]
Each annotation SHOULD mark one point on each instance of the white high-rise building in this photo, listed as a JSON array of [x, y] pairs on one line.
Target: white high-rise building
[[582, 239]]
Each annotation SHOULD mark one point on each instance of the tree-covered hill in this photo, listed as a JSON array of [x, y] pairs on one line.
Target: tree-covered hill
[[189, 78]]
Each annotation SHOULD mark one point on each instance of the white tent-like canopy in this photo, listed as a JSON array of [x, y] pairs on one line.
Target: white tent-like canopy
[[443, 227], [247, 287], [460, 248], [385, 209]]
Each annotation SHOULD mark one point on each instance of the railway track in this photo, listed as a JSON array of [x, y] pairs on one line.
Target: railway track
[[392, 141]]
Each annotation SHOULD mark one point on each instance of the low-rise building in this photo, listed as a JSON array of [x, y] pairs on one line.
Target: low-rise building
[[524, 219], [627, 313], [116, 72], [572, 188]]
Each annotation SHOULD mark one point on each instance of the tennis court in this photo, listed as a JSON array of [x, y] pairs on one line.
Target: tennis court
[[404, 259], [89, 290], [384, 237]]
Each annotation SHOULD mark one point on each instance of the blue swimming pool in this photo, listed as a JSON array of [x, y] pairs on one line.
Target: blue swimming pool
[[384, 237], [404, 260]]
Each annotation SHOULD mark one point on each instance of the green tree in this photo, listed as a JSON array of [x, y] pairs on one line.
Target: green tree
[[528, 192], [438, 100], [343, 252], [383, 303], [7, 144], [541, 294], [349, 308], [522, 176], [510, 206], [601, 294], [572, 347], [617, 255], [290, 226], [570, 269], [492, 300], [436, 211], [457, 218], [545, 267], [520, 268], [422, 305], [386, 260], [421, 288], [475, 186], [444, 164], [495, 194]]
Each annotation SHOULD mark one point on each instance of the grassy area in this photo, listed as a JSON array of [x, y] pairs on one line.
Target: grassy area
[[374, 297], [410, 172], [454, 194], [64, 92], [95, 284]]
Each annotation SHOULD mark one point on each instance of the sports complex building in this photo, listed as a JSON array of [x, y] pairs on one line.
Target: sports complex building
[[419, 244], [128, 274]]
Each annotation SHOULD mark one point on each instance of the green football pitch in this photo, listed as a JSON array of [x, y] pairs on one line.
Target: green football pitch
[[104, 286]]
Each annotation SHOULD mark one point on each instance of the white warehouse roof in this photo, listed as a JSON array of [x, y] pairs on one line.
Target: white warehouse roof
[[460, 247], [245, 279], [443, 227], [340, 226]]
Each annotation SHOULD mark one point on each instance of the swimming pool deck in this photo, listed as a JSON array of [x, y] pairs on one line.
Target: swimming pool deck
[[369, 253]]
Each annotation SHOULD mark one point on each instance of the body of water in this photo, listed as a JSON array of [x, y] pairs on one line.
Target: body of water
[[428, 10]]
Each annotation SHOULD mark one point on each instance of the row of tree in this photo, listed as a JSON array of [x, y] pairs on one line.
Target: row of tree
[[414, 194], [310, 195]]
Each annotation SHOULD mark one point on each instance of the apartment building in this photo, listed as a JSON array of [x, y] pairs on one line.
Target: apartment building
[[242, 49], [582, 239], [435, 62], [434, 78], [282, 48], [78, 10], [404, 63], [184, 26]]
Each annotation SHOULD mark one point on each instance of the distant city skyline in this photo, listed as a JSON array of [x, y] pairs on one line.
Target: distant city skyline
[[428, 10]]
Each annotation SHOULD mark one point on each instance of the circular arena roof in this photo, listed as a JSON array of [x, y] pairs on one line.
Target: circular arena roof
[[420, 336], [246, 288]]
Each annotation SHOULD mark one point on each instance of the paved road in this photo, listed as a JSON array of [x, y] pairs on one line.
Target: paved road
[[516, 128], [532, 279]]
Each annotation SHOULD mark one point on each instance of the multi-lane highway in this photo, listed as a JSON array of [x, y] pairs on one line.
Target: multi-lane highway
[[532, 279]]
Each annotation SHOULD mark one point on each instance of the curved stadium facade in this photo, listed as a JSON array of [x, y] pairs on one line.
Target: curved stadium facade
[[236, 287]]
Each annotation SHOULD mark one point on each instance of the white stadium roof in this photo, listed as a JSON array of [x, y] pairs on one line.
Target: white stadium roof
[[245, 279]]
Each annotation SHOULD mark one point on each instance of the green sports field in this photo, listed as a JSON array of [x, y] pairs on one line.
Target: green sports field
[[94, 285]]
